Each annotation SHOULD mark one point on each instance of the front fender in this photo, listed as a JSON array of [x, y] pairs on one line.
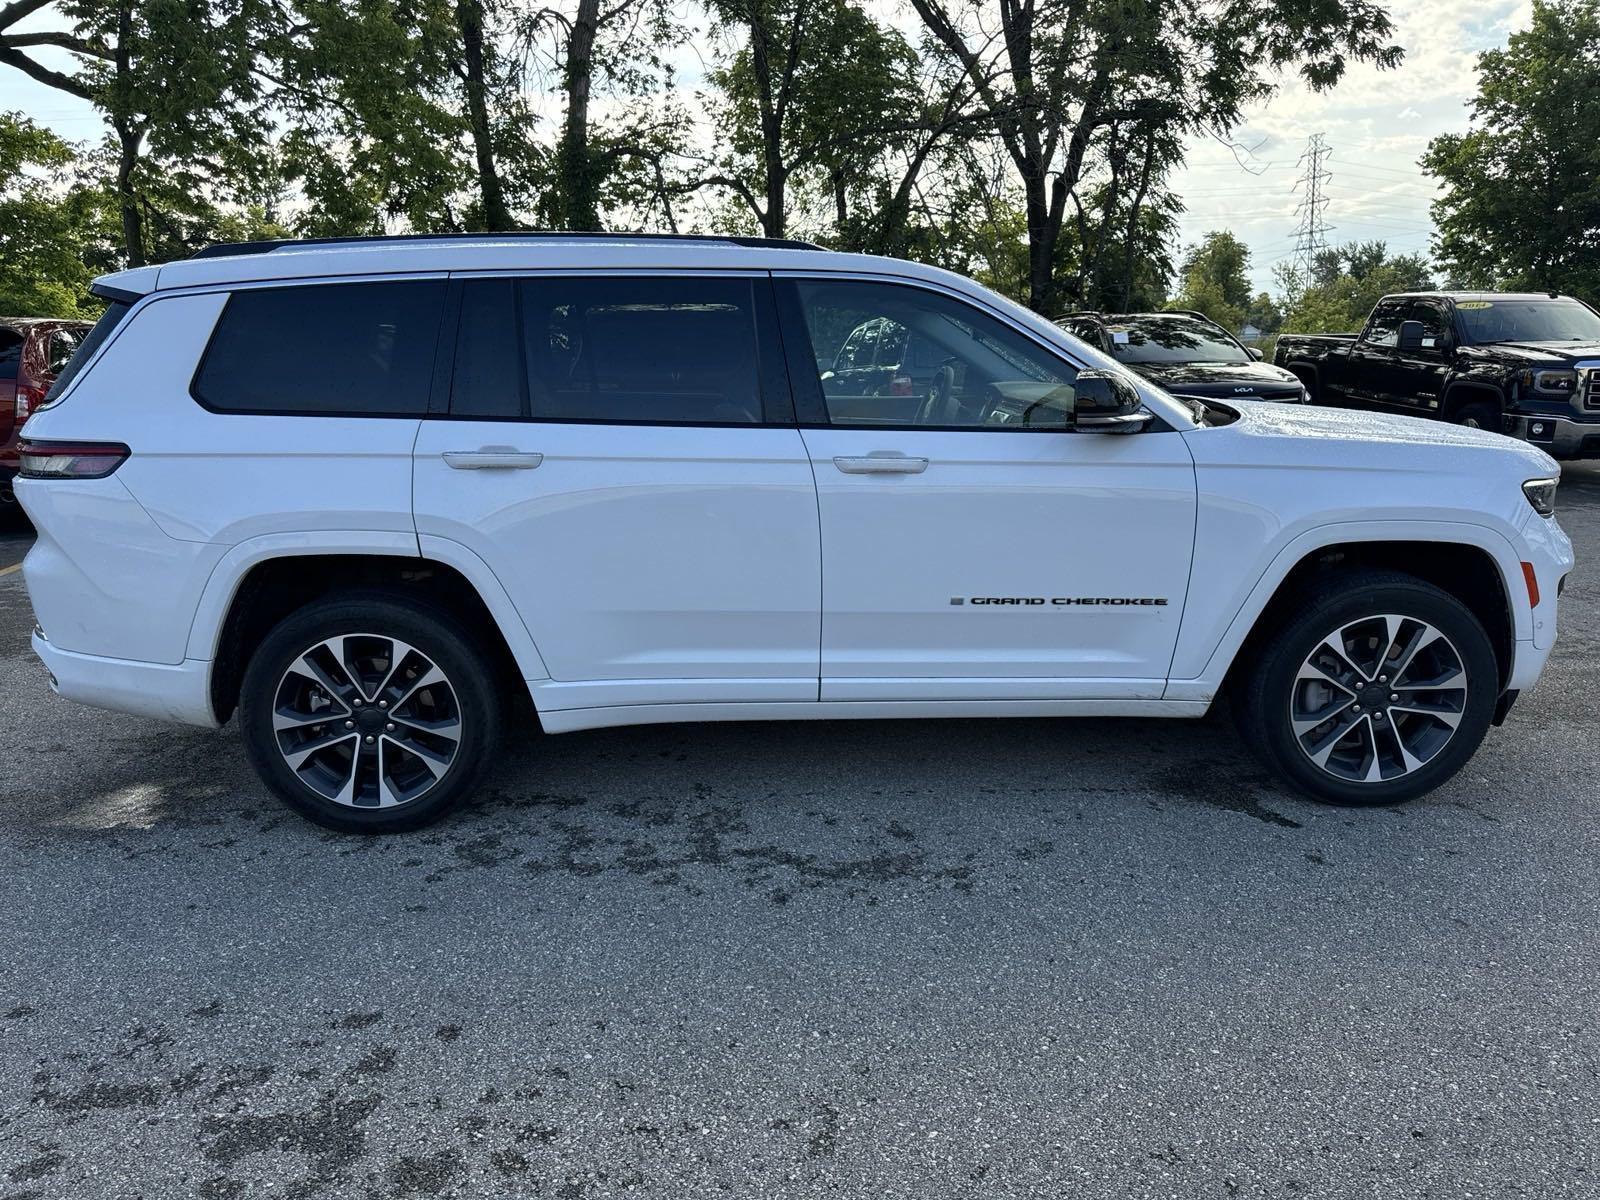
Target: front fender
[[1206, 647]]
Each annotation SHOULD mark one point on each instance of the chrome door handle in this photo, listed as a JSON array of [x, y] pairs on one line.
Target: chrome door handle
[[491, 459], [880, 464]]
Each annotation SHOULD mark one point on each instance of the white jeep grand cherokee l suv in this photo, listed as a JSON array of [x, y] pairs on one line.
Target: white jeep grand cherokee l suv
[[365, 492]]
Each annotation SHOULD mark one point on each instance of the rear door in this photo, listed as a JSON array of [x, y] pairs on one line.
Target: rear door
[[621, 451], [979, 549]]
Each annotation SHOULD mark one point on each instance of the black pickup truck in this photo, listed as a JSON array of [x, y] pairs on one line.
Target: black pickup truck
[[1526, 365]]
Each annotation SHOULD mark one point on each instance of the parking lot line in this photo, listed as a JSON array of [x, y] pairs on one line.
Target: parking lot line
[[8, 570]]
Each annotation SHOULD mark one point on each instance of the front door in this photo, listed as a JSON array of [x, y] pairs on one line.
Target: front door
[[1373, 355], [621, 452], [973, 546], [1417, 379]]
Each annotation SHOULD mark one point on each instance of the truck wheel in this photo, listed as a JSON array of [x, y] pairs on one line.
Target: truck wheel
[[1479, 415], [1376, 692], [370, 713]]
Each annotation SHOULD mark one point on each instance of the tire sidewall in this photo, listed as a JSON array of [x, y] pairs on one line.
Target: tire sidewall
[[1291, 648], [432, 633]]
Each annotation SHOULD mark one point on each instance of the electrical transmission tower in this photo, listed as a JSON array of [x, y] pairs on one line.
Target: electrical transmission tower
[[1311, 237]]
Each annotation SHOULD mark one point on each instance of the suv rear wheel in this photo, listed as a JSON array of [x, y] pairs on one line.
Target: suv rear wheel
[[370, 713], [1375, 693]]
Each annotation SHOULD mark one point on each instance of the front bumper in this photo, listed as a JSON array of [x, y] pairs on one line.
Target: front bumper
[[1560, 437], [169, 692]]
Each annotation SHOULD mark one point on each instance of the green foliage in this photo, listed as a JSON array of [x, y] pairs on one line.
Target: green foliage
[[1216, 280], [54, 225], [1522, 189], [1347, 282]]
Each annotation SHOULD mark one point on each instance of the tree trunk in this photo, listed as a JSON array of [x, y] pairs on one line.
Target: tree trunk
[[469, 16], [129, 138], [128, 141], [580, 199]]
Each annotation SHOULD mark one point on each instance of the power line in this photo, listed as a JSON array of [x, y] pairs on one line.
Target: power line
[[1311, 237]]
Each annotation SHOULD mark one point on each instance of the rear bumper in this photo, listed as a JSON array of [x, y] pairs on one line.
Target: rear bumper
[[169, 692], [1560, 437]]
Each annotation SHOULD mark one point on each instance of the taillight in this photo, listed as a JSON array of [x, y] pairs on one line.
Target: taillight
[[69, 460], [900, 385], [28, 399]]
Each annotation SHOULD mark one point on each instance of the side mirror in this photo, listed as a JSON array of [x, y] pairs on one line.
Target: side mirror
[[1255, 353], [1105, 402], [1411, 335]]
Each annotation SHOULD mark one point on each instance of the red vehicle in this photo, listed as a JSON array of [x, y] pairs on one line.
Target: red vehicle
[[33, 351]]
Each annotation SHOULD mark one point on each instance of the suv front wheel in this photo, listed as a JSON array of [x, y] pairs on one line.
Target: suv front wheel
[[1375, 693], [370, 713]]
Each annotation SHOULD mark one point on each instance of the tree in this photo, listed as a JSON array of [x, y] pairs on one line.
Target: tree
[[814, 86], [1052, 74], [1216, 279], [1521, 198], [56, 227], [1346, 282]]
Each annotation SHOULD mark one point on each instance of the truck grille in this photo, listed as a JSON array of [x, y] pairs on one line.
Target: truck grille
[[1589, 388]]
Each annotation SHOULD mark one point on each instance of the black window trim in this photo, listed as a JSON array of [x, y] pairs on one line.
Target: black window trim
[[772, 375], [279, 285], [810, 406]]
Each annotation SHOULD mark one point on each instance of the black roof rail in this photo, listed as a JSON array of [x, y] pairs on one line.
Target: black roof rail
[[225, 249]]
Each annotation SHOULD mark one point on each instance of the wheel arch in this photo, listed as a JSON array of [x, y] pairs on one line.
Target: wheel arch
[[1460, 393], [1464, 570], [257, 585]]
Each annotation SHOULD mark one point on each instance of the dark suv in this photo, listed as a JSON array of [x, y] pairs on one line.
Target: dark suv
[[33, 351], [1186, 353]]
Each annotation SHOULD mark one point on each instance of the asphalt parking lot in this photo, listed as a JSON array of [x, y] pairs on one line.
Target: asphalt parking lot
[[911, 959]]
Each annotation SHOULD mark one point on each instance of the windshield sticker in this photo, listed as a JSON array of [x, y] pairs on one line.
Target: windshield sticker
[[1474, 304], [1119, 336], [1427, 343]]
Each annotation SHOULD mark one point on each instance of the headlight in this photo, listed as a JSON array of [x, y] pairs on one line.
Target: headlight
[[1541, 493], [1552, 383]]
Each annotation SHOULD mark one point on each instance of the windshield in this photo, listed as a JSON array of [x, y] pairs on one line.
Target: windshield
[[1171, 340], [1488, 321]]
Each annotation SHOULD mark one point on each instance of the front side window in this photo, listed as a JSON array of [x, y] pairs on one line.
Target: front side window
[[341, 349], [1384, 327], [951, 365], [1435, 325]]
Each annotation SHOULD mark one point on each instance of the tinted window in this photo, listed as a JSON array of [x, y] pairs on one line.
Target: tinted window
[[1488, 321], [965, 367], [10, 353], [357, 349], [1171, 340], [489, 380], [62, 344], [92, 341], [1435, 325], [668, 350], [1383, 329]]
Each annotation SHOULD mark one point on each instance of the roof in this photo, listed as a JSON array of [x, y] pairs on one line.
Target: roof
[[1476, 296], [508, 252]]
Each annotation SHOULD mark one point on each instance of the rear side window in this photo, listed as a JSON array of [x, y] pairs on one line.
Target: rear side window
[[664, 350], [10, 353], [63, 343], [341, 349], [92, 341]]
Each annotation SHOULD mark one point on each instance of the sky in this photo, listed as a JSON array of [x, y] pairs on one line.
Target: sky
[[1377, 123]]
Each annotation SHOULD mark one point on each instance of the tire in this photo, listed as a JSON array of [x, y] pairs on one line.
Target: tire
[[1480, 414], [1413, 746], [408, 730]]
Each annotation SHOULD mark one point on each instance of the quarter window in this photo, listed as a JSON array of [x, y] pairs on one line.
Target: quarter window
[[347, 349], [943, 363]]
